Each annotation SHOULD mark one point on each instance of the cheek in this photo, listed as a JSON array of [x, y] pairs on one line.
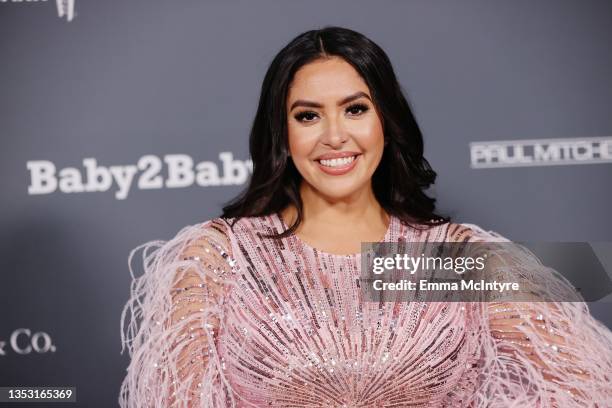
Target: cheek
[[302, 141], [368, 133]]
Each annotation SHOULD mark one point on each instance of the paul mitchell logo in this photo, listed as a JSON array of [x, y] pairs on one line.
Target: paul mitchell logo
[[540, 152]]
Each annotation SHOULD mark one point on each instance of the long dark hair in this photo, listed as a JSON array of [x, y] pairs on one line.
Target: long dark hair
[[403, 173]]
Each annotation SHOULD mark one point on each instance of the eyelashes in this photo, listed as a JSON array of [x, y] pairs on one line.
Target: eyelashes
[[355, 109], [360, 107], [306, 116]]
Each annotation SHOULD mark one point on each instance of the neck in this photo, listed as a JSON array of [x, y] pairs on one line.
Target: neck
[[359, 209]]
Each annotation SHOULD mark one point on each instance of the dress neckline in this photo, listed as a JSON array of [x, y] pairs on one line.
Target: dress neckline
[[310, 248]]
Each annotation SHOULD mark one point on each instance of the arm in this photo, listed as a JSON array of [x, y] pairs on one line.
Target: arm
[[539, 353], [175, 313]]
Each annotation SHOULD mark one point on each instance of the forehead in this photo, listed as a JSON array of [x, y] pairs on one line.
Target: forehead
[[326, 78]]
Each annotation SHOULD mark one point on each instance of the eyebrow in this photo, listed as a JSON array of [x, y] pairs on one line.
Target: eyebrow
[[310, 104]]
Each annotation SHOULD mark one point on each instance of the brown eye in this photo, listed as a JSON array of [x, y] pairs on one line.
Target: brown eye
[[306, 116], [357, 109]]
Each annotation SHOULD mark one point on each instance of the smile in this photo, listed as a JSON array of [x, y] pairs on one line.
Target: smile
[[338, 166], [337, 162]]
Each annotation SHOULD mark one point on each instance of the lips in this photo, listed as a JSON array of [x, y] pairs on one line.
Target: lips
[[338, 164]]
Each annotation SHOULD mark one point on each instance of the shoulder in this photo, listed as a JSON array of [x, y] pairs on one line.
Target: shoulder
[[204, 239], [468, 232], [252, 226], [225, 233], [215, 230]]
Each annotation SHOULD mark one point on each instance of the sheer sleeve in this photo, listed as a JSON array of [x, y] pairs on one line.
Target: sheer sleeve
[[538, 353], [171, 322]]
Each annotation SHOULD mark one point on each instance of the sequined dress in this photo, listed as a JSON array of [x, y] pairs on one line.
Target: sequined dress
[[223, 317]]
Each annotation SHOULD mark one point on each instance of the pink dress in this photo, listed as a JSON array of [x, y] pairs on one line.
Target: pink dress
[[226, 318]]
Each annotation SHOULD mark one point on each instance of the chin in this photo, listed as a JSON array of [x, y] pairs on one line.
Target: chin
[[337, 192]]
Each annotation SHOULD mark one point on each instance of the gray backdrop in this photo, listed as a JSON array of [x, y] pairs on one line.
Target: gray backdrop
[[127, 79]]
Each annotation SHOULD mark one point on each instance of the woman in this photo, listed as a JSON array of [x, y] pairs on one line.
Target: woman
[[261, 307]]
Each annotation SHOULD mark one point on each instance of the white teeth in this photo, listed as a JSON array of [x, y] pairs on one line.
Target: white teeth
[[337, 162]]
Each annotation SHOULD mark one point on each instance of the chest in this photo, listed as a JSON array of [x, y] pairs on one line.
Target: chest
[[299, 332]]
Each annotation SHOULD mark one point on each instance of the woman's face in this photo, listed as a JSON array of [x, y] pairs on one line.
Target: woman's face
[[335, 133]]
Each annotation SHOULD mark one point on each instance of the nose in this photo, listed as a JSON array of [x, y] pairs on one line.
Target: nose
[[334, 134]]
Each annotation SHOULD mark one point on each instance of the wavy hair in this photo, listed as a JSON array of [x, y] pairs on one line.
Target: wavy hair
[[403, 173]]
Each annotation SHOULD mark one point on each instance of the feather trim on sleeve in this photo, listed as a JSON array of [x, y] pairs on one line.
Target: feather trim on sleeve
[[551, 353], [171, 321]]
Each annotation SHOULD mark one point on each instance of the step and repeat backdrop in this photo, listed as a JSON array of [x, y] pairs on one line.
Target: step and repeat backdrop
[[123, 121]]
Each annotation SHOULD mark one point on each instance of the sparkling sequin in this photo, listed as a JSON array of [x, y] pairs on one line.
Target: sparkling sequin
[[257, 322], [291, 341]]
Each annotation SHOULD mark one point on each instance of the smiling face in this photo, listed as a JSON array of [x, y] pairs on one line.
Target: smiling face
[[336, 137]]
